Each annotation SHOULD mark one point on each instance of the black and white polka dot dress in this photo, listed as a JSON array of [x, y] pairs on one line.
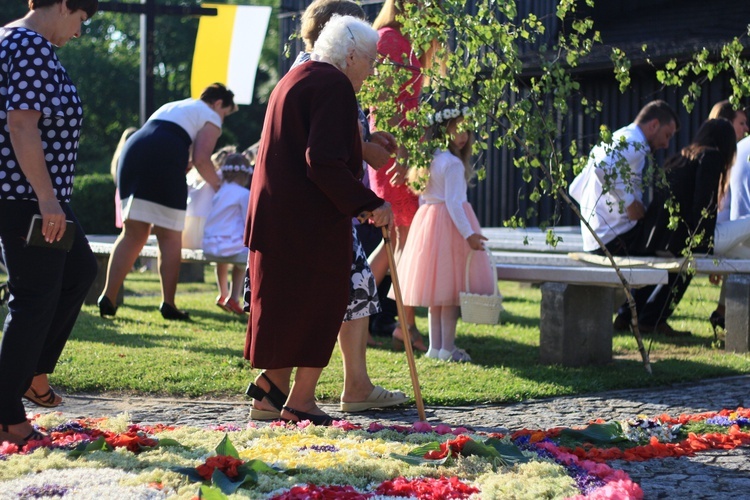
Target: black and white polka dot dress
[[32, 78]]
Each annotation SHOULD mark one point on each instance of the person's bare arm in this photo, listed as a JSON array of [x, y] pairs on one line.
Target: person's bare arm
[[27, 144], [379, 150], [475, 241], [204, 145]]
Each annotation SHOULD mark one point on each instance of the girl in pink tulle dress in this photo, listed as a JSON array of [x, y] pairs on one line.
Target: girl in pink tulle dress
[[443, 232]]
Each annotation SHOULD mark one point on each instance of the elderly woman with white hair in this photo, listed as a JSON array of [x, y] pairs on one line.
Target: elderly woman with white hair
[[305, 191]]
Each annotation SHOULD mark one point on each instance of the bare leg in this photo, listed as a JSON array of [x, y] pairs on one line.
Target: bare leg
[[170, 257], [221, 279], [353, 345], [126, 249], [302, 395], [378, 260], [238, 281]]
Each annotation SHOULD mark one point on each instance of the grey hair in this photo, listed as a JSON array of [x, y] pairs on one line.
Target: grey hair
[[343, 34]]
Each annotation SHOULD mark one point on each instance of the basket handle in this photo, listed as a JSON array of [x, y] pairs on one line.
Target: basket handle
[[468, 266]]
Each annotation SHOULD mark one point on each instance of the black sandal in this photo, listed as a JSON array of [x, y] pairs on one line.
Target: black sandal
[[46, 400], [34, 435], [273, 395], [324, 420]]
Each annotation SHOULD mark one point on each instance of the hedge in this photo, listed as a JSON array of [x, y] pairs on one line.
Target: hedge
[[93, 202]]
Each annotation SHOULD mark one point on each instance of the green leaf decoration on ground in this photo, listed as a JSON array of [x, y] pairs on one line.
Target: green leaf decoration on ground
[[169, 442], [229, 486], [226, 447], [611, 432], [190, 472], [508, 453], [416, 456], [84, 448], [260, 466], [210, 493]]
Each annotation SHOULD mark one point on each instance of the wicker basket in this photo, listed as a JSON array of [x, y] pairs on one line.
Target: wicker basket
[[477, 308]]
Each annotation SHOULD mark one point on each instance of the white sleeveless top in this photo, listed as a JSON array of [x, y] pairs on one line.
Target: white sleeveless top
[[190, 114]]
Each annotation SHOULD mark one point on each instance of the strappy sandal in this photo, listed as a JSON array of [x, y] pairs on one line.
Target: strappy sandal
[[46, 400], [417, 342], [324, 420], [273, 395], [6, 435]]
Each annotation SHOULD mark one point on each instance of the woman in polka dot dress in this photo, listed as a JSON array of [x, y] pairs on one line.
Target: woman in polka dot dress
[[153, 191], [40, 123]]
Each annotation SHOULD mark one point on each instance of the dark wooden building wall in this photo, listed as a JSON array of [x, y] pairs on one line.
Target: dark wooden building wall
[[503, 193]]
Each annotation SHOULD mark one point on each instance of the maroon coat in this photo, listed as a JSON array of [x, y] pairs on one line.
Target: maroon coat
[[303, 195]]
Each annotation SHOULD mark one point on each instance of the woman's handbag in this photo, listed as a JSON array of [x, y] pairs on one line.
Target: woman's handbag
[[477, 308]]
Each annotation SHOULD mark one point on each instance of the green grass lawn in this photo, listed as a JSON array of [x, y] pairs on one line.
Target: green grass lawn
[[140, 353]]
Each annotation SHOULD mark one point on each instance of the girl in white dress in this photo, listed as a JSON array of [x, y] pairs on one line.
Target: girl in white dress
[[443, 232], [225, 227]]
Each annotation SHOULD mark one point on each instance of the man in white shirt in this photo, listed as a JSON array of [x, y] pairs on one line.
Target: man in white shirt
[[610, 193], [610, 190]]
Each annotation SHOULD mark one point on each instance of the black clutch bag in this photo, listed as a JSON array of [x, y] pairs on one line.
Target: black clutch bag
[[35, 238]]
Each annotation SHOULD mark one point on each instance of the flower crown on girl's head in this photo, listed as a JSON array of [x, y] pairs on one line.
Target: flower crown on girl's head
[[447, 114], [246, 169]]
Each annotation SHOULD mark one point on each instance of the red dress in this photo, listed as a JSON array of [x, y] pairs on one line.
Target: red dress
[[304, 193], [395, 47]]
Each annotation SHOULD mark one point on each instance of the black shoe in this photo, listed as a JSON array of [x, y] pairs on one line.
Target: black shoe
[[664, 329], [169, 311], [717, 321], [106, 307], [383, 327], [323, 420], [621, 323]]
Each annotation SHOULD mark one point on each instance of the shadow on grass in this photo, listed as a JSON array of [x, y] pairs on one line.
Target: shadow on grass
[[104, 331], [501, 350]]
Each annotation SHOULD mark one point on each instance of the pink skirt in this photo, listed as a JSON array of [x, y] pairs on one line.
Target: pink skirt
[[431, 271]]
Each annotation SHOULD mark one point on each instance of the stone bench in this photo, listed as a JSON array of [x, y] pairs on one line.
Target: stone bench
[[102, 245], [577, 302], [736, 273], [529, 245]]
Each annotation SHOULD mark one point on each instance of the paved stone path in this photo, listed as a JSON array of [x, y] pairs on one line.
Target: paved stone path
[[708, 475]]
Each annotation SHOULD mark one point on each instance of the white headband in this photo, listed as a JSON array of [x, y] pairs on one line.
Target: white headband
[[247, 169], [447, 114]]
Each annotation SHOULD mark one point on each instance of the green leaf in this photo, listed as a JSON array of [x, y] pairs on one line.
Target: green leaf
[[229, 486], [226, 448], [260, 466], [416, 456], [169, 442], [494, 448], [98, 445], [611, 432], [190, 472], [210, 493]]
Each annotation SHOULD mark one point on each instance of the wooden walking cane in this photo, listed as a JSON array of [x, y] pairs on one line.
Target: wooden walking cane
[[404, 327], [362, 218]]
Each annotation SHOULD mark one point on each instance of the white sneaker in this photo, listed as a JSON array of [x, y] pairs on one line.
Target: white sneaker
[[432, 353], [458, 355]]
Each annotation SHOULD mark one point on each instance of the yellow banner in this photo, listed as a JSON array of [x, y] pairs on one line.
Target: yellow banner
[[212, 48], [228, 48]]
